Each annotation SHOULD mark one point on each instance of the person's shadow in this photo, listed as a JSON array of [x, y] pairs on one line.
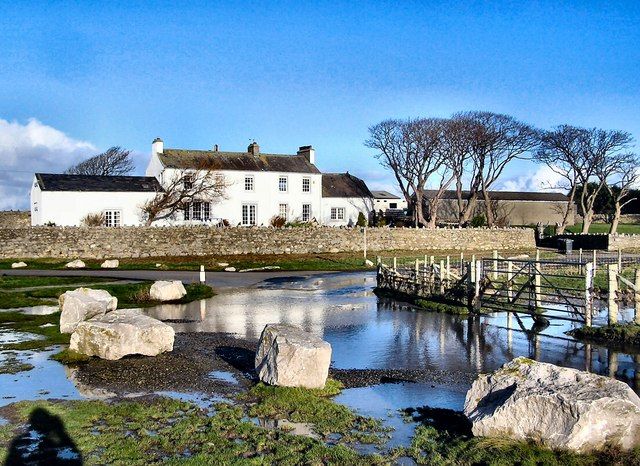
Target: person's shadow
[[45, 442]]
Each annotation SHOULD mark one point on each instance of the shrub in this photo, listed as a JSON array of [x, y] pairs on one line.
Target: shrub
[[278, 221], [362, 220], [93, 220], [478, 221]]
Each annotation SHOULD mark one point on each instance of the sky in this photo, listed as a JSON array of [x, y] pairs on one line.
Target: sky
[[79, 77]]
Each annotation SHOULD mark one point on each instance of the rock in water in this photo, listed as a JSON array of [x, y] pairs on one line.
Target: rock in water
[[76, 264], [560, 407], [18, 265], [82, 304], [120, 333], [290, 357], [167, 291], [110, 264]]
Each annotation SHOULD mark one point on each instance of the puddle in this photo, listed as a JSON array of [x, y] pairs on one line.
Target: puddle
[[224, 376], [39, 310], [296, 428], [202, 400], [11, 336]]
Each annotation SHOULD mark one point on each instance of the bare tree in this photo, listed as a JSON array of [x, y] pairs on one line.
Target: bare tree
[[495, 141], [199, 185], [112, 162], [626, 176], [456, 144]]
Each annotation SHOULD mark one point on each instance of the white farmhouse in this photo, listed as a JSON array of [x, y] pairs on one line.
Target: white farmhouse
[[344, 197], [65, 200], [384, 200], [259, 187]]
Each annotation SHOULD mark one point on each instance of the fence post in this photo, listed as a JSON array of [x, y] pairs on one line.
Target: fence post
[[431, 260], [595, 263], [509, 278], [417, 271], [203, 277], [441, 276], [378, 260], [580, 260], [613, 289], [478, 276], [364, 229], [495, 264], [637, 297], [448, 269], [588, 285], [395, 263], [619, 260]]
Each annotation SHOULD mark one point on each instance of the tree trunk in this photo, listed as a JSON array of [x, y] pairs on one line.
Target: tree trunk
[[616, 219], [488, 208], [419, 211], [586, 221], [468, 209], [567, 211], [433, 213]]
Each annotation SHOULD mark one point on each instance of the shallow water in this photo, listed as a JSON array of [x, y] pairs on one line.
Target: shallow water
[[368, 332]]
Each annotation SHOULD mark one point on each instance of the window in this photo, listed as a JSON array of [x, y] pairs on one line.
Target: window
[[249, 214], [206, 211], [393, 205], [306, 212], [248, 183], [188, 182], [111, 218], [337, 213], [306, 185], [284, 211], [197, 210], [282, 184]]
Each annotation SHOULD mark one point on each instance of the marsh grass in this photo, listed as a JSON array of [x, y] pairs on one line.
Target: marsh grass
[[620, 334]]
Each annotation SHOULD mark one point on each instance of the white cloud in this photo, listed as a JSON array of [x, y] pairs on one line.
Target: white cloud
[[540, 179], [29, 148]]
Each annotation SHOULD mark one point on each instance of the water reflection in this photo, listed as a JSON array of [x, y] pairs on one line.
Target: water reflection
[[367, 332]]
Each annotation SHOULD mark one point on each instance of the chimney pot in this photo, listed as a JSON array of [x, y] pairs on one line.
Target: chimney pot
[[254, 148], [309, 153], [215, 148]]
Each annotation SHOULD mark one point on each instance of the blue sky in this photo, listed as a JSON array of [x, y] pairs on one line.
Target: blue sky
[[97, 74]]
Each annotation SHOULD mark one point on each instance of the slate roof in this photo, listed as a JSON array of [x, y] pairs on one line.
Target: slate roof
[[243, 161], [343, 185], [505, 195], [59, 182], [384, 195]]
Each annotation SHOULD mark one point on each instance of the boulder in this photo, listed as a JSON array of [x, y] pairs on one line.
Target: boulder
[[121, 333], [76, 264], [368, 263], [167, 291], [18, 265], [230, 269], [82, 304], [560, 407], [290, 357], [110, 264], [223, 264]]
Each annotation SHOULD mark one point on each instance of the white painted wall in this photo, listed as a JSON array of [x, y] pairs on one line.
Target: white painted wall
[[67, 208], [384, 204], [352, 206]]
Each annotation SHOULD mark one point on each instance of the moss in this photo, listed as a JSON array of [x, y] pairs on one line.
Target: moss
[[436, 306], [46, 326], [165, 431], [70, 357], [617, 334], [12, 365]]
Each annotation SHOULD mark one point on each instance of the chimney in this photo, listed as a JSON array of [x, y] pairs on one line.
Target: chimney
[[309, 153], [254, 148], [215, 148], [157, 146]]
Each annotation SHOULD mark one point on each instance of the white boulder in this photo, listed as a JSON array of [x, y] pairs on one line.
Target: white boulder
[[18, 265], [110, 264], [223, 264], [82, 304], [121, 333], [290, 357], [76, 264], [167, 290], [368, 263], [560, 407], [230, 269]]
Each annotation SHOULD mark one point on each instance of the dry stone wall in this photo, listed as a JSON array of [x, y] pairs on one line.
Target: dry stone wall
[[624, 242], [99, 243], [15, 219]]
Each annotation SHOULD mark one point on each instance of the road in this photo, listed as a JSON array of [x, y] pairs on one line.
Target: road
[[218, 280]]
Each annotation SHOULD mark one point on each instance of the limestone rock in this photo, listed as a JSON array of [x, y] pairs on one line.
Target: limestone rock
[[230, 269], [368, 263], [560, 407], [18, 265], [110, 264], [121, 333], [167, 290], [290, 357], [82, 304], [76, 264], [223, 264]]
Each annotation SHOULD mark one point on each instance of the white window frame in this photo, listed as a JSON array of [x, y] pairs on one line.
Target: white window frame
[[284, 214], [283, 180], [249, 183], [112, 218], [306, 217], [248, 222], [337, 213], [306, 184]]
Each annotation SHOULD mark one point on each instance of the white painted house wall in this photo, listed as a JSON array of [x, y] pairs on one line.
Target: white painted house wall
[[68, 208], [352, 207], [384, 204]]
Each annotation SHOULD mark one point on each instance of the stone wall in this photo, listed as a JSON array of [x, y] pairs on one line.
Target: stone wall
[[624, 242], [15, 219], [98, 243]]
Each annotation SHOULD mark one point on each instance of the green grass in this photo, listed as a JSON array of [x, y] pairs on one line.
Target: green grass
[[436, 306], [19, 281], [620, 334], [10, 364], [314, 407], [70, 357], [626, 228], [21, 322], [165, 431]]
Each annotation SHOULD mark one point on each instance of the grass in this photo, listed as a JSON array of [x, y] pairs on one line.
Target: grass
[[314, 407], [165, 431], [626, 228], [10, 364], [70, 357], [19, 281], [620, 334], [435, 304], [36, 324]]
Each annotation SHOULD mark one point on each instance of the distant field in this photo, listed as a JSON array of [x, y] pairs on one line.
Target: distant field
[[626, 228]]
